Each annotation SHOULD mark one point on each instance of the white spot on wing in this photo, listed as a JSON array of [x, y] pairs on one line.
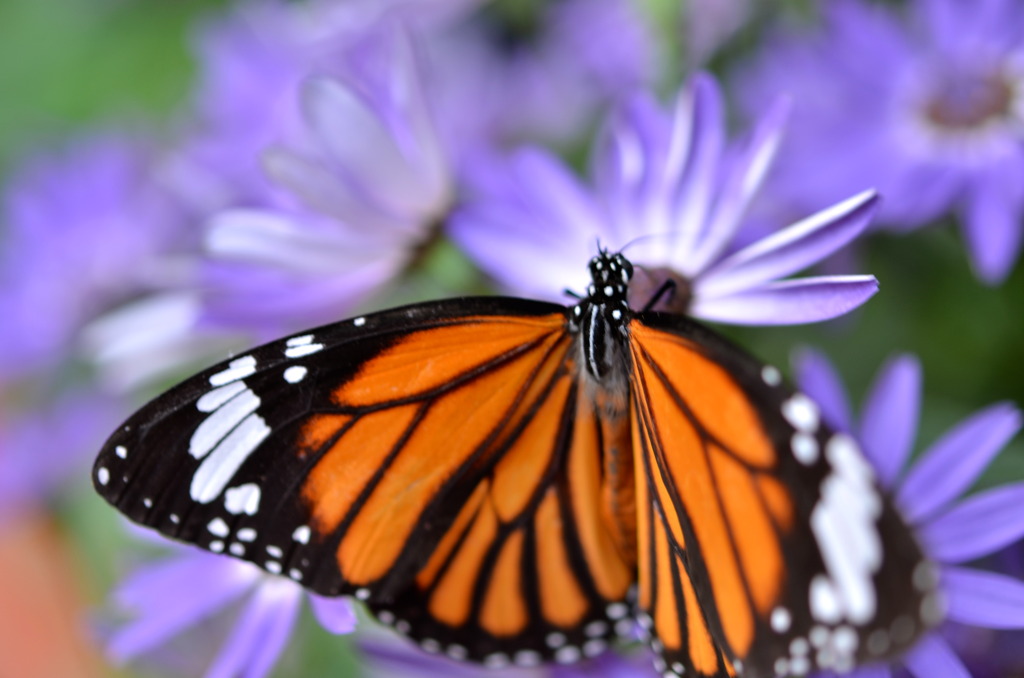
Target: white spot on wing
[[246, 534], [220, 422], [301, 534], [805, 448], [121, 451], [218, 528], [780, 620], [296, 347], [243, 499], [275, 551], [211, 400], [771, 375], [527, 658], [617, 610], [359, 322], [220, 466], [801, 412], [825, 606], [844, 523], [555, 639], [237, 549], [240, 368], [567, 655], [103, 475], [295, 374]]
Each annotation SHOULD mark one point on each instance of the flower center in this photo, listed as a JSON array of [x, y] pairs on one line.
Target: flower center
[[966, 101], [647, 283]]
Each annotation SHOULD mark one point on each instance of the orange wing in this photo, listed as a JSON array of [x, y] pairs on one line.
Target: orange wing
[[436, 461], [766, 547]]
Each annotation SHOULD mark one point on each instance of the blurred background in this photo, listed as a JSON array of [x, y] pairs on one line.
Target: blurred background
[[134, 143]]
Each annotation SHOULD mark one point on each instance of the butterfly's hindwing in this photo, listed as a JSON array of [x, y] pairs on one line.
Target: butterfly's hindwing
[[798, 557]]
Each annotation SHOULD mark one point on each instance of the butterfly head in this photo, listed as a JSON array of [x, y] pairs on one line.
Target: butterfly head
[[610, 275]]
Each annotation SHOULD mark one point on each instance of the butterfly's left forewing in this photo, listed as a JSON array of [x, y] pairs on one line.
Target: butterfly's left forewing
[[766, 530], [436, 461]]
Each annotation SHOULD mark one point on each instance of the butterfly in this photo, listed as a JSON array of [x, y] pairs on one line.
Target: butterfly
[[511, 481]]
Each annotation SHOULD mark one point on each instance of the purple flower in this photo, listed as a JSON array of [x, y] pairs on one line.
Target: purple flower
[[504, 78], [667, 185], [254, 63], [172, 596], [387, 656], [362, 189], [953, 530], [44, 445], [924, 105], [86, 228]]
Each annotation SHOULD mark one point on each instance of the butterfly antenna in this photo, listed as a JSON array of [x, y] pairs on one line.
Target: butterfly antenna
[[648, 236]]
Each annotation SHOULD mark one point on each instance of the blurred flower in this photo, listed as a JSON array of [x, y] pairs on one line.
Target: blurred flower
[[364, 188], [388, 656], [46, 443], [953, 530], [172, 596], [518, 71], [253, 64], [667, 187], [85, 229], [927, 106]]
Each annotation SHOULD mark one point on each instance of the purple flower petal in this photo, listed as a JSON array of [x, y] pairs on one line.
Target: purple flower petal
[[352, 130], [992, 220], [933, 658], [334, 614], [174, 595], [985, 599], [789, 302], [740, 187], [890, 417], [977, 526], [953, 463], [261, 633], [816, 377], [792, 249], [700, 147], [281, 240]]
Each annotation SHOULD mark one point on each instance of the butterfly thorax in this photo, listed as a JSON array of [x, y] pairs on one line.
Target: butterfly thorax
[[600, 319]]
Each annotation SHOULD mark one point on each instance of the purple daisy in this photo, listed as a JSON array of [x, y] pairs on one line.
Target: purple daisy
[[669, 187], [254, 64], [500, 79], [953, 530], [360, 192], [170, 597], [388, 656], [86, 228], [942, 130]]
